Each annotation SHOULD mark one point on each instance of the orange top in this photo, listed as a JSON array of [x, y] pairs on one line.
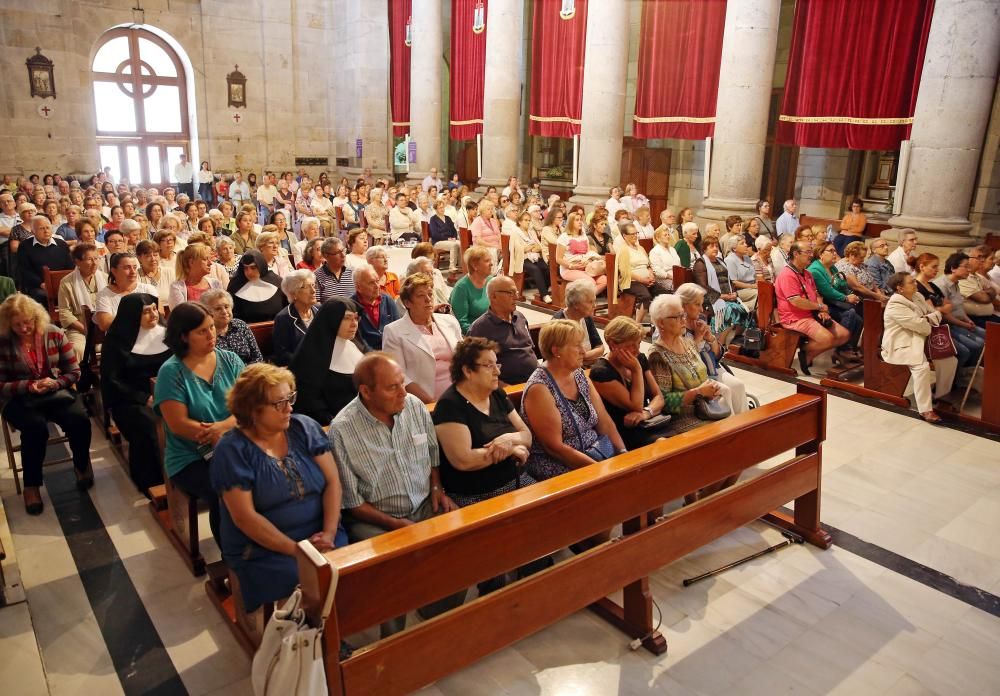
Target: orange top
[[854, 223]]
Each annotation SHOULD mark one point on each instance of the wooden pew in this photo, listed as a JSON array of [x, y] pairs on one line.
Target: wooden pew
[[872, 229], [505, 253], [425, 231], [263, 333], [781, 342], [681, 275], [881, 379], [52, 280], [381, 578], [557, 286], [647, 244], [625, 306], [989, 418]]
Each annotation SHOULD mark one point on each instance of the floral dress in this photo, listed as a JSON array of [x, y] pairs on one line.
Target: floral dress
[[675, 373], [542, 465]]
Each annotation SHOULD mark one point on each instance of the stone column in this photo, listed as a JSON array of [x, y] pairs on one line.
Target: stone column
[[605, 68], [745, 78], [949, 122], [364, 106], [425, 86], [502, 91]]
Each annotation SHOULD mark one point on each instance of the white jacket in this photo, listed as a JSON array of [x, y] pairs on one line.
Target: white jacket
[[907, 324], [402, 221], [412, 350]]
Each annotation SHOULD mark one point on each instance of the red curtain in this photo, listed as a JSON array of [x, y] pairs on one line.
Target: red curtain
[[853, 73], [468, 67], [679, 57], [559, 30], [399, 65]]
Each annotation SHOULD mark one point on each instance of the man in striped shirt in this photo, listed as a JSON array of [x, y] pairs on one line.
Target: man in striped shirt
[[387, 454], [333, 278]]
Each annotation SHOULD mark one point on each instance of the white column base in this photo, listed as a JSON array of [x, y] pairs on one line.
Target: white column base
[[719, 209]]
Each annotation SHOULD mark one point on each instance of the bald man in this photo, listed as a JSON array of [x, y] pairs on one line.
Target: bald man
[[42, 249]]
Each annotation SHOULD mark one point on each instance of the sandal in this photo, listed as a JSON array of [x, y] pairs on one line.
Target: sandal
[[931, 417], [84, 479]]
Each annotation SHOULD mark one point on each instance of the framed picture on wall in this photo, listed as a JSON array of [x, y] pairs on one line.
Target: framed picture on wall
[[41, 78]]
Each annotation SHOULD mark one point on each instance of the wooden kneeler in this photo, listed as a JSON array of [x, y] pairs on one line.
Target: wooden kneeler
[[386, 577]]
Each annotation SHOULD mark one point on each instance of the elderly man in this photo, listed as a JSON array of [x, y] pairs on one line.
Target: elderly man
[[788, 221], [377, 309], [239, 191], [34, 254], [431, 180], [668, 222], [9, 218], [404, 223], [899, 258], [979, 295], [508, 328], [801, 309], [333, 278], [387, 455]]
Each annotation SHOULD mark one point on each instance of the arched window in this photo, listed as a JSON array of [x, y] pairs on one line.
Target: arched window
[[140, 99]]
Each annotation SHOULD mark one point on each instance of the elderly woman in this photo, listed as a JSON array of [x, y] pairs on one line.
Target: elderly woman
[[357, 245], [225, 249], [353, 211], [388, 282], [133, 351], [526, 256], [859, 278], [77, 291], [263, 517], [486, 228], [763, 260], [728, 313], [662, 258], [709, 346], [255, 290], [443, 234], [852, 227], [627, 386], [312, 255], [194, 267], [275, 258], [286, 240], [635, 274], [309, 229], [154, 213], [232, 334], [375, 216], [581, 299], [845, 307], [969, 339], [687, 247], [741, 271], [190, 395], [878, 264], [422, 342], [123, 279], [245, 236], [442, 292], [566, 414], [908, 320], [468, 297], [325, 360], [291, 323], [37, 368]]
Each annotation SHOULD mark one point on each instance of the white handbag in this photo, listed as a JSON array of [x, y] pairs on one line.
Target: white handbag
[[289, 661]]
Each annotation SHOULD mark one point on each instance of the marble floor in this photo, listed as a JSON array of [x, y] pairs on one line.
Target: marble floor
[[800, 621]]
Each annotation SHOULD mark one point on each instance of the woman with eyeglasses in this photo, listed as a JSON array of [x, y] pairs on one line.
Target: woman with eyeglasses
[[845, 306], [279, 484]]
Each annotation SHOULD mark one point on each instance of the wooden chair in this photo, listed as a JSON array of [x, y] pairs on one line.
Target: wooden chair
[[647, 244], [263, 333], [338, 224], [518, 277], [625, 306], [781, 342], [464, 241], [15, 465], [425, 231], [557, 285], [52, 280], [176, 512], [381, 578]]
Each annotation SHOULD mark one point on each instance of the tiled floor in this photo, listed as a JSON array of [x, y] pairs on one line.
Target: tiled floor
[[801, 621]]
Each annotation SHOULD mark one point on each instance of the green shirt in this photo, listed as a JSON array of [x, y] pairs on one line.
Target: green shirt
[[830, 288], [205, 401], [469, 302]]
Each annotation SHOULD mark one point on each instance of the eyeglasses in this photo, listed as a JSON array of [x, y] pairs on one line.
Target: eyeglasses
[[675, 316], [512, 293], [287, 402], [490, 366]]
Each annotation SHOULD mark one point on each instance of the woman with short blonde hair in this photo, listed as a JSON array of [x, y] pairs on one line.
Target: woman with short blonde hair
[[193, 273], [269, 245]]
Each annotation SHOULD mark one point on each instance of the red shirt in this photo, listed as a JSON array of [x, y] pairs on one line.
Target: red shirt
[[371, 310], [791, 283]]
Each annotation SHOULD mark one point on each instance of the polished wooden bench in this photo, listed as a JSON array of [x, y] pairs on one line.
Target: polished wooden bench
[[872, 229], [263, 333], [781, 342], [390, 575]]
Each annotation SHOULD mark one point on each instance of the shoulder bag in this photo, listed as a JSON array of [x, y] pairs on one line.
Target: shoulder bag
[[289, 661], [600, 450], [939, 344]]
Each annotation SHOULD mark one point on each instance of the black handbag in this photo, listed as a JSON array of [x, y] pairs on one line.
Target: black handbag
[[754, 342], [60, 398], [711, 409]]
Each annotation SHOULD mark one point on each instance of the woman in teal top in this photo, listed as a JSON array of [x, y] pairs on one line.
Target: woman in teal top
[[845, 306], [468, 297], [190, 395]]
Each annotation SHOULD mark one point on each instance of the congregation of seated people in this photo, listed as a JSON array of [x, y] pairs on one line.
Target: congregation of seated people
[[340, 404]]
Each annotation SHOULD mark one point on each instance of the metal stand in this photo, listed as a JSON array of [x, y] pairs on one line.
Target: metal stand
[[790, 538]]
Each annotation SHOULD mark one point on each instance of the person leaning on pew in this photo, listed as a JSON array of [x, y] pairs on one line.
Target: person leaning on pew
[[263, 517], [387, 454]]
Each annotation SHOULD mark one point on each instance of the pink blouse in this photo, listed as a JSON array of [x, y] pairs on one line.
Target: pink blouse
[[487, 234]]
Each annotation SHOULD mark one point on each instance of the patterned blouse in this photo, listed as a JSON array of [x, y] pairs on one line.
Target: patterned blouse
[[542, 465], [860, 272], [675, 373], [240, 340], [52, 347]]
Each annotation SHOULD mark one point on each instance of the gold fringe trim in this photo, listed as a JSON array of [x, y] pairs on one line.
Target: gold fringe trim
[[674, 119], [847, 119], [555, 119], [466, 123]]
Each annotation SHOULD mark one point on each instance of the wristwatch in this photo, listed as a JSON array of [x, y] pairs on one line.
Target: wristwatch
[[648, 411]]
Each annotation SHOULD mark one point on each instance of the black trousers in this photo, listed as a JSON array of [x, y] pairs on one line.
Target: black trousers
[[538, 273], [644, 295], [187, 188], [194, 480], [138, 426], [33, 424]]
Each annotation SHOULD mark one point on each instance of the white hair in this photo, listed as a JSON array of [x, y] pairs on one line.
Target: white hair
[[690, 293], [580, 291], [308, 221], [664, 306], [415, 264], [374, 251], [294, 281]]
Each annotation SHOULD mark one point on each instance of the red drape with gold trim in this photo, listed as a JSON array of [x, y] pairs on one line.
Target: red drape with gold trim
[[559, 31], [399, 66], [853, 73], [468, 68], [679, 56]]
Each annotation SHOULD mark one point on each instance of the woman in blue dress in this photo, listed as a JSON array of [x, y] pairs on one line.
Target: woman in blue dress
[[278, 481]]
